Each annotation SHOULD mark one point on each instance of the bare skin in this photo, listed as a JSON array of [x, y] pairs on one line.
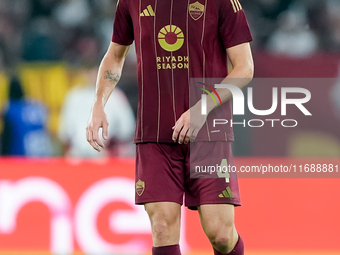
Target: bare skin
[[217, 220], [165, 219], [109, 74], [218, 225], [112, 77]]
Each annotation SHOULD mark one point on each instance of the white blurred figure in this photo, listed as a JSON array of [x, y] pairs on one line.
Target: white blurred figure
[[72, 13], [74, 117], [293, 36]]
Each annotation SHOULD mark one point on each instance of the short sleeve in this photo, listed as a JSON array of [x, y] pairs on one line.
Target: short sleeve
[[233, 24], [123, 26]]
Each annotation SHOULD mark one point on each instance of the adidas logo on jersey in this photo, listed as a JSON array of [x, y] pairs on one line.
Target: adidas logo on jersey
[[236, 5], [226, 193], [148, 12]]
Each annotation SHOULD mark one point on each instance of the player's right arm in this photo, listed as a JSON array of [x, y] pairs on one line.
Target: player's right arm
[[109, 73]]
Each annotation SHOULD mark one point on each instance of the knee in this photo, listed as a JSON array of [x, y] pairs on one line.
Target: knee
[[163, 224], [160, 227], [220, 241], [165, 231]]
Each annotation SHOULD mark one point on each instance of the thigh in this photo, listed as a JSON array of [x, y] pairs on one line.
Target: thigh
[[159, 173], [166, 211], [209, 187]]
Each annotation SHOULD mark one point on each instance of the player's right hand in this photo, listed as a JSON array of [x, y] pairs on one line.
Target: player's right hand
[[98, 119]]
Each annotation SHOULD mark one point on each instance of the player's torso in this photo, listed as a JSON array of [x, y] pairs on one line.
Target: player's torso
[[175, 40], [179, 34]]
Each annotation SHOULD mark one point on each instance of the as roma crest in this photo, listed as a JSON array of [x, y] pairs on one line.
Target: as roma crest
[[140, 187], [196, 10]]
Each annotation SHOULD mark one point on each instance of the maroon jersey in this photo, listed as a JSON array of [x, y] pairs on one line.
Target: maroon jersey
[[177, 40]]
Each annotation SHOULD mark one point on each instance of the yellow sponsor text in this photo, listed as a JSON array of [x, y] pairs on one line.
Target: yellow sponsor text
[[173, 62]]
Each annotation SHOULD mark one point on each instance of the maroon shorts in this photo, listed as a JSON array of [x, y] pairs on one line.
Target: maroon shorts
[[165, 172]]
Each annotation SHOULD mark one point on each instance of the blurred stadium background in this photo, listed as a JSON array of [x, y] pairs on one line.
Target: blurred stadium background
[[58, 197]]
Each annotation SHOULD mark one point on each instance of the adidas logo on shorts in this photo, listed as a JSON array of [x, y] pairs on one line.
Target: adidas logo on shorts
[[226, 193]]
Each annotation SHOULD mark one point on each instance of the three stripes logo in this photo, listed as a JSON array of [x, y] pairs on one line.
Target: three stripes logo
[[236, 5], [204, 97], [148, 11], [226, 193]]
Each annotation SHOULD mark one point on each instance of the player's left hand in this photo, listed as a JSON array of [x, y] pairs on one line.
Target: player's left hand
[[186, 128]]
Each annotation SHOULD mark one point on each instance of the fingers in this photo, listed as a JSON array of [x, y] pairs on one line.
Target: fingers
[[177, 128], [89, 137], [93, 137], [105, 130], [187, 137], [186, 131], [96, 138], [184, 135], [181, 133], [193, 135]]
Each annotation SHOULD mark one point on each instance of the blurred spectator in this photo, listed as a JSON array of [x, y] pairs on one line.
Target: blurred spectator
[[25, 132], [72, 13], [262, 15], [103, 14], [2, 57], [293, 36], [42, 8], [61, 25], [40, 43], [335, 95], [334, 19], [9, 39], [319, 21], [75, 114]]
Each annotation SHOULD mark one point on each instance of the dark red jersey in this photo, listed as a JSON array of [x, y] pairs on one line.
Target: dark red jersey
[[177, 40]]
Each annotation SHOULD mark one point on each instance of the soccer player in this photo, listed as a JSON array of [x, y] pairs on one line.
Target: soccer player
[[176, 41]]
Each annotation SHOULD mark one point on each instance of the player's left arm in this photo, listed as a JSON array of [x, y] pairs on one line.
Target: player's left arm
[[243, 70]]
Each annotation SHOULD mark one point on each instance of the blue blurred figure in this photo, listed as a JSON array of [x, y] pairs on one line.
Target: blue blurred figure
[[25, 132]]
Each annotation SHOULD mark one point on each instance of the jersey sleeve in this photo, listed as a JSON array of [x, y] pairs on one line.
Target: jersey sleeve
[[233, 24], [123, 26]]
